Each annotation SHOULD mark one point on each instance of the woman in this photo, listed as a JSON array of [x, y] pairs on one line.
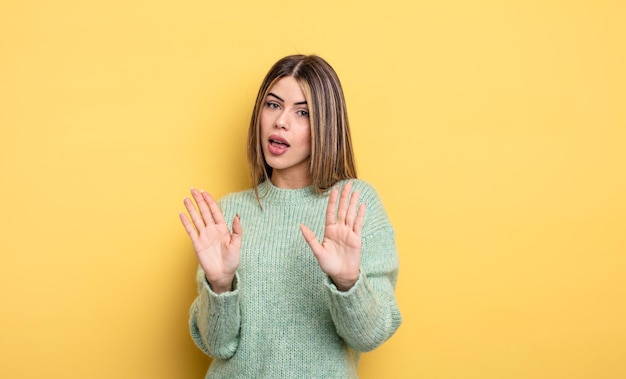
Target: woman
[[273, 301]]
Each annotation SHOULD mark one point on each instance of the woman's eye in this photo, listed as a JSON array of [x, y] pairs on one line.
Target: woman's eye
[[303, 113], [271, 105]]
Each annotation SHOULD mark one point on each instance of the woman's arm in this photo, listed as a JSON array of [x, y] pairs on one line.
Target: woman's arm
[[368, 315], [215, 320], [359, 256]]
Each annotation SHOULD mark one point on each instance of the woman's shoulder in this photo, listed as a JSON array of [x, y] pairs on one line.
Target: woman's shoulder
[[237, 197], [376, 217], [366, 189]]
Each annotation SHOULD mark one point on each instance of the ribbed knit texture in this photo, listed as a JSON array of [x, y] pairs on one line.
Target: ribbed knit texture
[[285, 318]]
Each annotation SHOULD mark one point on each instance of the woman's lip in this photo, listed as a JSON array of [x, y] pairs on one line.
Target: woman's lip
[[277, 138], [277, 148]]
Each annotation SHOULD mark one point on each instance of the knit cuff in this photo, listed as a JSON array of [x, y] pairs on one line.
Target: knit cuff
[[224, 298], [359, 289]]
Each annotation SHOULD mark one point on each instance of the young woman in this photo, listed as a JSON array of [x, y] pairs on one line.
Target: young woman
[[273, 300]]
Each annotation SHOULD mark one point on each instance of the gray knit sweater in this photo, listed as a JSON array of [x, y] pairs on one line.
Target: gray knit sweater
[[285, 318]]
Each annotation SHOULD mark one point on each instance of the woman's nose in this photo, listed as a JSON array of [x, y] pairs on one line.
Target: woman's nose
[[281, 121]]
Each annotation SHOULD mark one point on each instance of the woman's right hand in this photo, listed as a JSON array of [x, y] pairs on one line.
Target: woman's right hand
[[217, 249]]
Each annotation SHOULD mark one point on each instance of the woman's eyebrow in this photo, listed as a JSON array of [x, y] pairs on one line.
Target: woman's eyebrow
[[279, 98]]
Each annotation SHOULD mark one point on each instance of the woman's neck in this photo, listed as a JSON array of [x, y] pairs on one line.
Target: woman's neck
[[294, 181]]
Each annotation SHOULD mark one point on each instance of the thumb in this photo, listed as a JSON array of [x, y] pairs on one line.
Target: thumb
[[237, 231], [309, 236]]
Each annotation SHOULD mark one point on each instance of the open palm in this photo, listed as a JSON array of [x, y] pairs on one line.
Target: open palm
[[218, 249], [339, 253]]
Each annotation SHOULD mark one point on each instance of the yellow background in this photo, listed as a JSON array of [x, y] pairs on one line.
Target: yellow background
[[494, 131]]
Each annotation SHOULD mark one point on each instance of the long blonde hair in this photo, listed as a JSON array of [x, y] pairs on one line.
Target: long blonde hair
[[332, 158]]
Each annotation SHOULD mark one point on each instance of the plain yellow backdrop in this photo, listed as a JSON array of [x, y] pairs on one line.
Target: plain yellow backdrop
[[493, 130]]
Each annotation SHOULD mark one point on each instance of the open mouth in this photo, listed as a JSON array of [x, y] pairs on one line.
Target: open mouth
[[279, 143]]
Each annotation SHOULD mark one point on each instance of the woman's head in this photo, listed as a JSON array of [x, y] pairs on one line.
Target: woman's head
[[331, 157]]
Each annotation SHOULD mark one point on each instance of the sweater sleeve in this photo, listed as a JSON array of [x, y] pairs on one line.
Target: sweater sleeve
[[367, 315], [215, 320]]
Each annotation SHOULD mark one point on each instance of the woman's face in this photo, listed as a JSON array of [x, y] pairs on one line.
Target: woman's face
[[286, 134]]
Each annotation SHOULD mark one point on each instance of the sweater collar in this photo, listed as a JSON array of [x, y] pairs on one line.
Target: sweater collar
[[272, 194]]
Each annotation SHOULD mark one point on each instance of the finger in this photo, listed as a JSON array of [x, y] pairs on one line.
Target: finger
[[351, 214], [195, 217], [235, 238], [216, 212], [343, 203], [331, 212], [309, 237], [205, 212], [189, 228], [360, 220]]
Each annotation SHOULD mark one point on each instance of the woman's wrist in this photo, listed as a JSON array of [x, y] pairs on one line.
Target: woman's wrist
[[221, 286], [344, 284]]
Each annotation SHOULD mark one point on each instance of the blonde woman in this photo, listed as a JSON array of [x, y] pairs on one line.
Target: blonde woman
[[297, 274]]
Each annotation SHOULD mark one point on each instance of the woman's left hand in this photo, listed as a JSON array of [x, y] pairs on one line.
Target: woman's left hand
[[339, 254]]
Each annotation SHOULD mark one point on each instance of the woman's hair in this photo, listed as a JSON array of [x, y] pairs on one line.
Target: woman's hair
[[332, 159]]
